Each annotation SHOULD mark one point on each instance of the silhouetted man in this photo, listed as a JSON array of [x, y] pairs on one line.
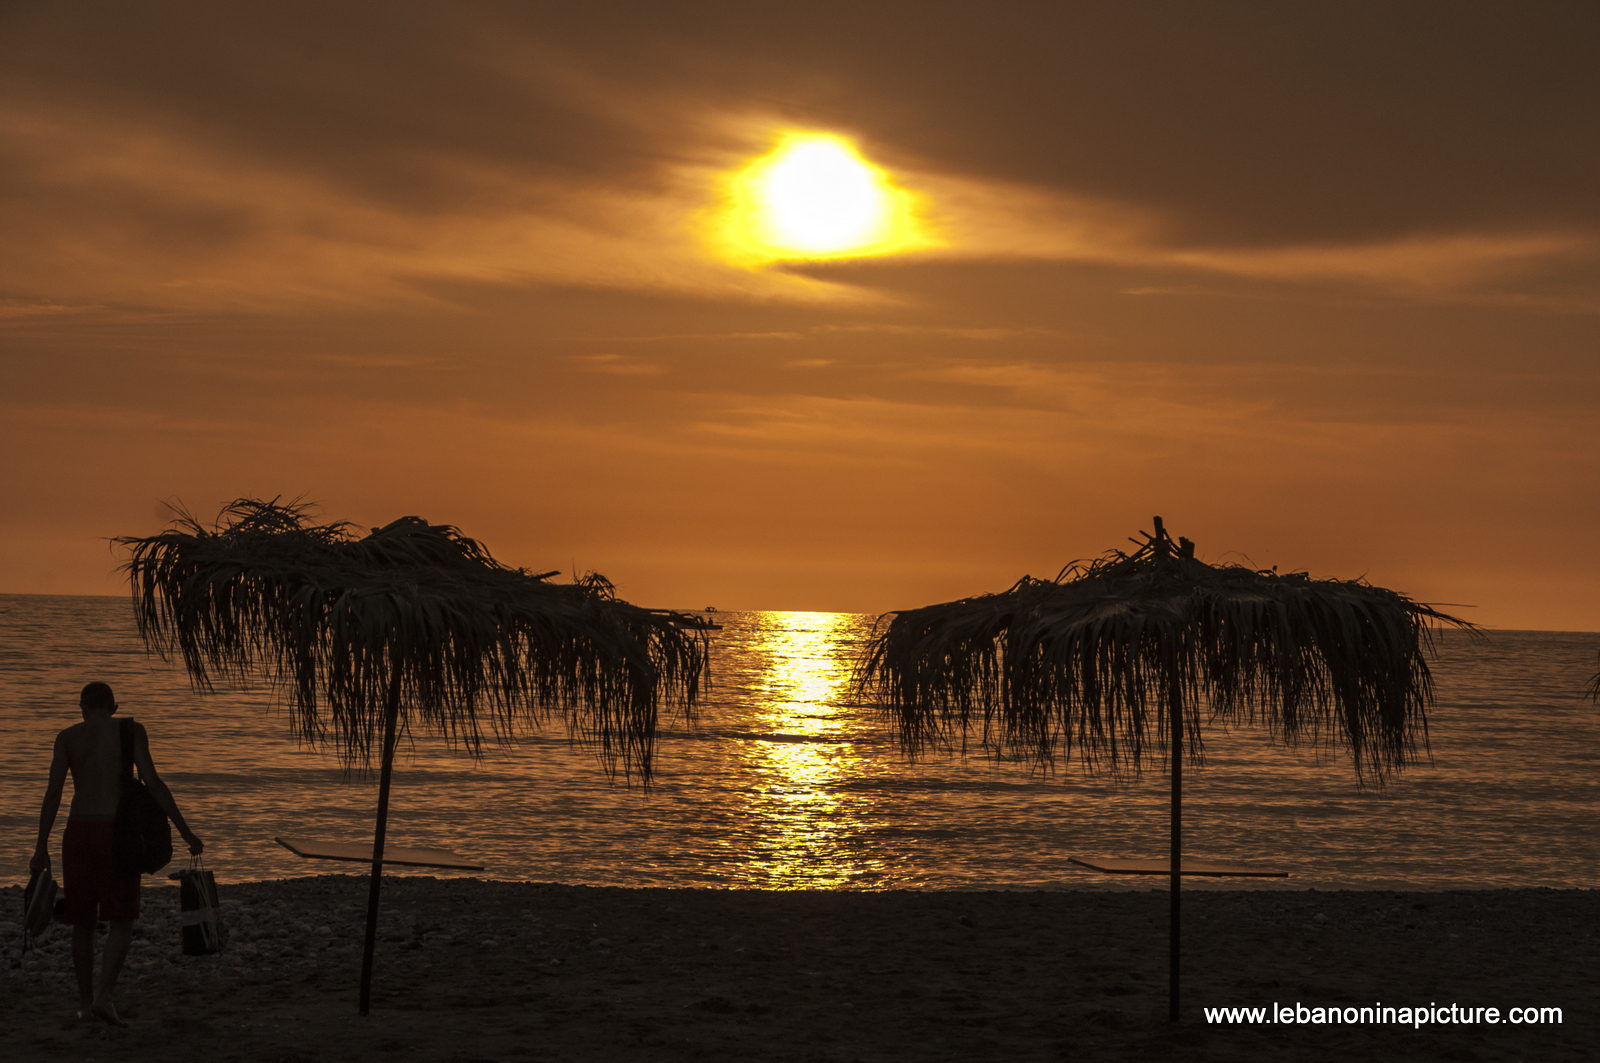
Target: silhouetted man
[[95, 889]]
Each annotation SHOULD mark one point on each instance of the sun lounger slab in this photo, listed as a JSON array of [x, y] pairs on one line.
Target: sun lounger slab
[[1206, 868], [361, 852]]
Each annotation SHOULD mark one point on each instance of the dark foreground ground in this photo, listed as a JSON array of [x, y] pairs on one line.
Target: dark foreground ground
[[471, 970]]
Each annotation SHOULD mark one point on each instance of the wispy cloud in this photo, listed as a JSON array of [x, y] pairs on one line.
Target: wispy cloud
[[155, 217], [376, 361], [19, 310], [616, 365], [151, 215], [713, 336], [990, 219], [948, 331], [1422, 263]]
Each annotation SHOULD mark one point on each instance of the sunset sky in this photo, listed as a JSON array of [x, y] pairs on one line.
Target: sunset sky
[[1318, 284]]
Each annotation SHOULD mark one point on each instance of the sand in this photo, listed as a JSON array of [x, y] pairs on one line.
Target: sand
[[471, 970]]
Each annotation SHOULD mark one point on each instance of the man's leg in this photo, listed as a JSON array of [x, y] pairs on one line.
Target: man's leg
[[117, 942], [83, 965]]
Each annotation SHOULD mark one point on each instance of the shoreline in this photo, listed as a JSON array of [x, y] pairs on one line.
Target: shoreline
[[480, 969], [1265, 886]]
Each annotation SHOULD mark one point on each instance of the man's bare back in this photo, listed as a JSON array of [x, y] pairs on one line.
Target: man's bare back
[[93, 752]]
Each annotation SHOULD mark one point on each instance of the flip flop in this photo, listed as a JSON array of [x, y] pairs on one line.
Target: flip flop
[[109, 1016]]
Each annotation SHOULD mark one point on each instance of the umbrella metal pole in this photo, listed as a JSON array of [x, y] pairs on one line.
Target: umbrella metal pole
[[1175, 708], [391, 714]]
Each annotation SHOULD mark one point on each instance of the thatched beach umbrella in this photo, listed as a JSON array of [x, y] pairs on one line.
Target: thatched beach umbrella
[[1121, 661], [411, 628]]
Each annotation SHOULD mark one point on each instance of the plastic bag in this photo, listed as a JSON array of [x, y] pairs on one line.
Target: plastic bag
[[199, 910]]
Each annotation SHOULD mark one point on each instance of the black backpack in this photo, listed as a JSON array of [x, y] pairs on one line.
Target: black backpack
[[142, 839]]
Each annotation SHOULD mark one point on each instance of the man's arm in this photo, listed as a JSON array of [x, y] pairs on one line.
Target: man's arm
[[158, 790], [52, 805]]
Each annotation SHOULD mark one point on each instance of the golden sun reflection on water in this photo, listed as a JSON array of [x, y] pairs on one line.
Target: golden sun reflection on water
[[804, 752]]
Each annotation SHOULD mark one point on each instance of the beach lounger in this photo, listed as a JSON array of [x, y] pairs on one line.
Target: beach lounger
[[1204, 868], [360, 852]]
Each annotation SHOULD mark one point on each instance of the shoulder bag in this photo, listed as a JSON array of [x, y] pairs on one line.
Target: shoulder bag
[[142, 838]]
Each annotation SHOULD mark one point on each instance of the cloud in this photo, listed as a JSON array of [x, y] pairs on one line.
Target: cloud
[[135, 195], [116, 212], [18, 310], [783, 336], [1425, 263], [1000, 221], [616, 365], [944, 331], [376, 361]]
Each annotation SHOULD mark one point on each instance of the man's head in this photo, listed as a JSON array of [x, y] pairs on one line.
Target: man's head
[[97, 697]]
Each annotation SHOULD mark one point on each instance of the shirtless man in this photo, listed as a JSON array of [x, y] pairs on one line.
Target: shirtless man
[[92, 752]]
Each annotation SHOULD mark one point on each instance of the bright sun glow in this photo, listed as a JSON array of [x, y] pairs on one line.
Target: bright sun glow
[[814, 197], [820, 196]]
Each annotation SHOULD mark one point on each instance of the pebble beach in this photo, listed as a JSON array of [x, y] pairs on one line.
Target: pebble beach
[[471, 970]]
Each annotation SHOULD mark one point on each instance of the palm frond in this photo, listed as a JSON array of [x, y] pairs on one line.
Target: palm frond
[[335, 619], [1088, 664]]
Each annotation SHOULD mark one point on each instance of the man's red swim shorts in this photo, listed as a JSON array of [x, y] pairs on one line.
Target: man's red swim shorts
[[88, 878]]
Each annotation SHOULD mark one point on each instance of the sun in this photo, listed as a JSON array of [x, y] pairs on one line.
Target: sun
[[813, 197]]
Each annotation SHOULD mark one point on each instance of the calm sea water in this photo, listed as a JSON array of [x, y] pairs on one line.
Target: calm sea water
[[784, 783]]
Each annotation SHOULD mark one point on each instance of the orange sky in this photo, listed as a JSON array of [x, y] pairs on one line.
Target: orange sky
[[1317, 286]]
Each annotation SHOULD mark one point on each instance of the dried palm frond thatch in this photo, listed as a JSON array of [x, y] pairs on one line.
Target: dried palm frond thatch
[[414, 627], [1116, 662], [1089, 663], [346, 623]]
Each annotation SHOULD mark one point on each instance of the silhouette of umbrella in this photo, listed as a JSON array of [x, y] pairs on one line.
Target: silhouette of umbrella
[[413, 627], [1116, 659]]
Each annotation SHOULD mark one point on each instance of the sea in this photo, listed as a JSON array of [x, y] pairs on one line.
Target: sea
[[785, 781]]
